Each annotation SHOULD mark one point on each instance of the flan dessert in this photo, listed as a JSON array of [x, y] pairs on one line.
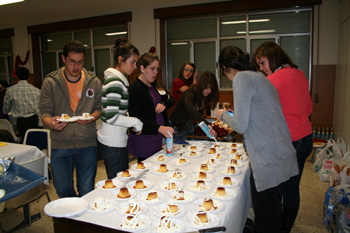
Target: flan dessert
[[233, 145], [126, 173], [238, 156], [171, 186], [182, 161], [202, 175], [200, 185], [171, 208], [161, 157], [152, 196], [232, 151], [166, 224], [132, 222], [177, 175], [231, 170], [220, 191], [212, 150], [86, 115], [124, 193], [201, 218], [227, 181], [65, 116], [139, 185], [140, 165], [193, 153], [100, 204], [193, 148], [134, 207], [163, 168], [204, 167], [218, 156], [179, 195], [109, 184], [233, 162], [208, 204]]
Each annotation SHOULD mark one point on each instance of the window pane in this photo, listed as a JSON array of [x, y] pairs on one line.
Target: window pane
[[298, 49], [53, 42], [102, 62], [198, 28], [100, 37], [5, 46], [204, 57], [280, 23], [87, 60], [3, 75], [177, 55], [84, 37], [49, 62], [229, 26], [240, 43], [255, 43]]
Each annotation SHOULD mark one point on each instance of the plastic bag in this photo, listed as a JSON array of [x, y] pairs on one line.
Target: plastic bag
[[324, 154], [341, 145]]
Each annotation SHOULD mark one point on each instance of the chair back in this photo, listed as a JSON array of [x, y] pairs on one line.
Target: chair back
[[39, 138], [5, 124]]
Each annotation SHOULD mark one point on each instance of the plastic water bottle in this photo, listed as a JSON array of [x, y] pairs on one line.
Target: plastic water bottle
[[340, 216], [206, 129], [327, 198], [169, 145]]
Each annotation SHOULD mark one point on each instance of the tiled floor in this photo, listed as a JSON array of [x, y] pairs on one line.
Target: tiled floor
[[309, 219]]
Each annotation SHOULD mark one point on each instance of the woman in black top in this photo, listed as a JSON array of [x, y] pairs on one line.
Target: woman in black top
[[205, 94]]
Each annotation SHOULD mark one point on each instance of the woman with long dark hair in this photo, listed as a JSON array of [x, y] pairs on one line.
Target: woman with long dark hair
[[113, 135], [191, 105], [187, 77], [258, 116]]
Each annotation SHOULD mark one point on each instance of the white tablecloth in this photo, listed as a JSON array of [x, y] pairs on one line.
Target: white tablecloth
[[27, 156], [233, 216]]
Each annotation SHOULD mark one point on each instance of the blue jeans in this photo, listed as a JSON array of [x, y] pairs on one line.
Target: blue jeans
[[63, 162], [116, 159], [182, 135], [291, 194]]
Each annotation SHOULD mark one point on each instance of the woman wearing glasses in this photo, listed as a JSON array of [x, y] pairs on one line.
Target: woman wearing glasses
[[187, 77]]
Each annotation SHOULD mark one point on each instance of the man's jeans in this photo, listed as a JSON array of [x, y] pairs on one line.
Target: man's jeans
[[63, 162]]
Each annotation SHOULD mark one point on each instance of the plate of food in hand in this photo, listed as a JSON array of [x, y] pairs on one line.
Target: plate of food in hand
[[67, 118]]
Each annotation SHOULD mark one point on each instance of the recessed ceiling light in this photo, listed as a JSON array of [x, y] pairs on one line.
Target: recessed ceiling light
[[179, 43], [4, 2], [244, 21], [115, 33]]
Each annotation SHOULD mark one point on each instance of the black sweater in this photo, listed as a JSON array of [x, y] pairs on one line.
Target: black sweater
[[141, 106]]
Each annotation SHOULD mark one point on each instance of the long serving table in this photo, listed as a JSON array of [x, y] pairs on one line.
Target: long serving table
[[232, 215]]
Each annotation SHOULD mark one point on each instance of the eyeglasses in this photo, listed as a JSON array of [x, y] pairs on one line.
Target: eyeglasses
[[191, 71], [73, 62]]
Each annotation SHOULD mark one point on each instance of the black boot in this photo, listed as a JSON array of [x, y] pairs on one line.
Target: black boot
[[288, 217]]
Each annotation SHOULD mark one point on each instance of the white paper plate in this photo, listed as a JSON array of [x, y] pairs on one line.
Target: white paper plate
[[143, 219], [178, 223], [214, 156], [144, 196], [164, 185], [147, 166], [238, 146], [224, 172], [71, 119], [217, 162], [122, 207], [154, 158], [155, 169], [160, 210], [66, 207], [114, 195], [86, 119], [213, 221], [230, 194], [242, 159], [189, 197], [109, 208], [198, 169], [131, 185], [133, 174], [318, 144], [219, 182], [100, 185], [218, 205], [187, 154], [170, 175], [208, 179], [192, 187], [175, 162]]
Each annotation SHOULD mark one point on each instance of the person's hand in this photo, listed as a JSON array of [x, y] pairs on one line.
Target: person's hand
[[85, 122], [166, 131], [137, 132], [57, 125], [195, 75], [212, 132], [160, 108], [219, 113]]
